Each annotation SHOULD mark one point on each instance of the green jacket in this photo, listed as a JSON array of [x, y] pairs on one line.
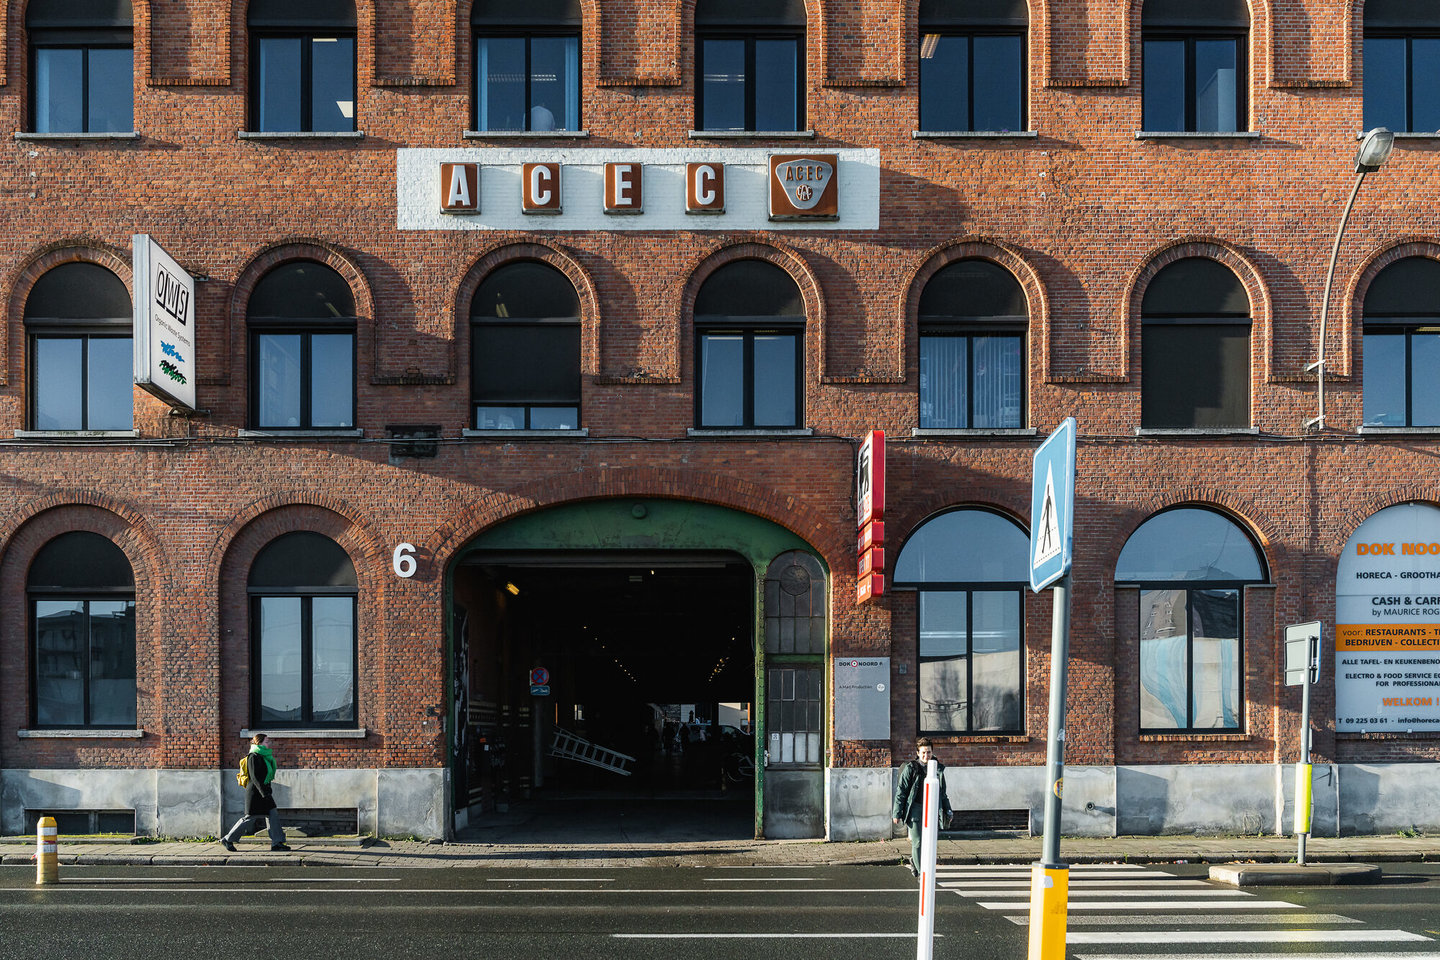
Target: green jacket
[[910, 793]]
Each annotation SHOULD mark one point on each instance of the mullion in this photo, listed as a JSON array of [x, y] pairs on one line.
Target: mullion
[[85, 669], [1409, 125], [970, 377], [307, 379], [969, 660], [84, 382], [307, 84], [970, 82], [1409, 379], [1190, 80], [85, 89], [527, 109], [1189, 660], [750, 84], [307, 645], [747, 364]]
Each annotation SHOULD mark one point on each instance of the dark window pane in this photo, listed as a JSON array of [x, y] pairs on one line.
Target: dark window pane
[[78, 291], [525, 290], [998, 90], [302, 559], [279, 383], [777, 85], [110, 395], [722, 380], [749, 288], [112, 662], [944, 382], [943, 623], [1425, 85], [723, 85], [1409, 287], [58, 383], [332, 659], [1164, 660], [1216, 79], [554, 418], [535, 363], [555, 83], [1384, 83], [1384, 379], [301, 290], [332, 380], [332, 72], [1189, 544], [59, 96], [944, 82], [112, 90], [1163, 99], [79, 560], [280, 665], [995, 661], [1195, 287], [60, 662], [999, 373], [973, 289], [944, 695], [500, 74], [279, 80], [775, 356], [1424, 379], [1195, 375]]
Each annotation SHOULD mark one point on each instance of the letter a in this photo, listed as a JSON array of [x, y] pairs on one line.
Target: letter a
[[459, 188]]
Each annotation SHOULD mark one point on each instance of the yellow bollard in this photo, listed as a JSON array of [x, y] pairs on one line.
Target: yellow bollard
[[47, 852], [1049, 901]]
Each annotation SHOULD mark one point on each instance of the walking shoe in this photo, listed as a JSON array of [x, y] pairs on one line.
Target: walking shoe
[[279, 846], [227, 844], [913, 871]]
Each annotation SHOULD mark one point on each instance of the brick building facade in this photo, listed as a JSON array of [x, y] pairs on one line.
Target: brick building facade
[[1079, 207]]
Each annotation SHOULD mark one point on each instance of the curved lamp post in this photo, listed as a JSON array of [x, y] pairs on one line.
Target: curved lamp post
[[1374, 151]]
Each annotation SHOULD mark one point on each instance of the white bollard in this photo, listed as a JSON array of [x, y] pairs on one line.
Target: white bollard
[[929, 837]]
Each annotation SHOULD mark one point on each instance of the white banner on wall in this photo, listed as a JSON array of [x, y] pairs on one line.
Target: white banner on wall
[[1387, 623], [164, 324]]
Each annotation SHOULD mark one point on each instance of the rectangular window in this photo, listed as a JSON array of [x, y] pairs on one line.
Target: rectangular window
[[794, 718], [749, 379], [1402, 83], [304, 659], [304, 380], [84, 662], [1401, 380], [1193, 84], [82, 382], [1195, 374], [84, 89], [753, 83], [525, 376], [970, 661], [527, 82], [304, 84], [1190, 671], [972, 82], [972, 381]]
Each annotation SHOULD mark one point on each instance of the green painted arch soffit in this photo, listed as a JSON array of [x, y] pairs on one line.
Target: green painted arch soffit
[[627, 523]]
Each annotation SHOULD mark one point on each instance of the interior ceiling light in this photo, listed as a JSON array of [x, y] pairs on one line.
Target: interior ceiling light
[[512, 588]]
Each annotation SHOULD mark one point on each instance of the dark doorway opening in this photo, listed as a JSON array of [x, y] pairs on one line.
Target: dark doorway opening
[[608, 695]]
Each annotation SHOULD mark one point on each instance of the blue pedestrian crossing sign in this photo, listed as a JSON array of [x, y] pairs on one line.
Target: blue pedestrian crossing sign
[[1052, 507]]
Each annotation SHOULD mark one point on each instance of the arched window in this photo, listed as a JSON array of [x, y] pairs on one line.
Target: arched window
[[1194, 65], [301, 320], [750, 65], [1191, 565], [302, 66], [82, 66], [970, 569], [82, 613], [525, 350], [303, 638], [796, 611], [1401, 352], [1402, 65], [1195, 347], [78, 324], [972, 65], [972, 348], [749, 348], [527, 65]]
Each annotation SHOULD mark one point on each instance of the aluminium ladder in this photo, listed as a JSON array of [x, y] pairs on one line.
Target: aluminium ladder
[[571, 747]]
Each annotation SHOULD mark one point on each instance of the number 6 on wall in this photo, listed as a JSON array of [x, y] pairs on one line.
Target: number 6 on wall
[[404, 561]]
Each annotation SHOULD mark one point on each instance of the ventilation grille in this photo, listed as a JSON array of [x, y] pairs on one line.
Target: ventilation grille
[[990, 821]]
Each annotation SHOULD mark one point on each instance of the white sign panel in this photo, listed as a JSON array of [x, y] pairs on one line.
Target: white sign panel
[[164, 324], [1387, 623]]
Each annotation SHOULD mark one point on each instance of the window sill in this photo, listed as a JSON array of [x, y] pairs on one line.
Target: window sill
[[579, 433], [973, 433], [1379, 430], [778, 433], [62, 435], [1193, 737], [299, 733], [979, 738], [300, 134], [527, 134], [1197, 135], [1197, 431], [752, 134], [130, 135], [973, 134], [341, 434], [81, 733]]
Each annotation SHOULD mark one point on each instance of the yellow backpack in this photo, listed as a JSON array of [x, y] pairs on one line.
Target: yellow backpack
[[243, 776]]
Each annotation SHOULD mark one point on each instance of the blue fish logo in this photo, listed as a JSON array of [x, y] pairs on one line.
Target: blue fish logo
[[169, 350]]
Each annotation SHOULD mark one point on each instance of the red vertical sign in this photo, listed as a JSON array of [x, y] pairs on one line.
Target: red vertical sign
[[869, 516]]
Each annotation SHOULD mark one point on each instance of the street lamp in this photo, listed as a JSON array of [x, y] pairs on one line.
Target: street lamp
[[1374, 151]]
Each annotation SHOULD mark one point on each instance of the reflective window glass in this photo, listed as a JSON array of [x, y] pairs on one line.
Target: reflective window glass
[[111, 92], [999, 86], [500, 76], [1425, 83], [332, 380], [279, 380], [944, 82], [109, 383], [303, 82], [279, 84], [281, 655], [776, 355], [723, 85], [1189, 543], [750, 83], [525, 350], [332, 83], [1193, 81], [58, 372], [59, 90], [302, 342], [777, 75], [1386, 82], [722, 380]]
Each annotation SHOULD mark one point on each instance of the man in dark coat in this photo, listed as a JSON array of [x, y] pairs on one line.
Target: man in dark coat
[[259, 798], [910, 798]]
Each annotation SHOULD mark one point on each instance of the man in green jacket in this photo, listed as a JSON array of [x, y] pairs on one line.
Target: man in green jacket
[[259, 797], [910, 798]]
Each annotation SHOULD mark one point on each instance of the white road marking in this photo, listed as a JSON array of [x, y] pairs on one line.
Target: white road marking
[[1104, 892], [1266, 956], [1244, 936], [1188, 919], [1087, 875], [766, 936], [1014, 906], [1083, 883], [550, 880], [757, 879]]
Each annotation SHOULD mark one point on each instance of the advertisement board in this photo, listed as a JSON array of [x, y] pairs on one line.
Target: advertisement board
[[1387, 623], [164, 324]]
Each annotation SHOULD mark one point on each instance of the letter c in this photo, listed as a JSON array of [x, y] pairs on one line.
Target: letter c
[[540, 193], [704, 193]]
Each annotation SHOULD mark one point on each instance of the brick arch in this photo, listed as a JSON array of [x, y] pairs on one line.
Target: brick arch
[[980, 248], [280, 511], [453, 532], [1352, 311], [43, 260], [1261, 46], [1426, 494], [331, 255], [781, 255], [507, 252], [146, 554], [1261, 316], [1241, 510], [939, 506]]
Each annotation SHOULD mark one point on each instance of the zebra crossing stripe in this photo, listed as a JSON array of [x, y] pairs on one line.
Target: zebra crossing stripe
[[1103, 892], [1087, 875], [1244, 936], [1191, 919], [1266, 956], [1017, 906], [1083, 882]]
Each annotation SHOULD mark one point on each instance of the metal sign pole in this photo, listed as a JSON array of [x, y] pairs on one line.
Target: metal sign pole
[[1050, 878], [1303, 776], [929, 837]]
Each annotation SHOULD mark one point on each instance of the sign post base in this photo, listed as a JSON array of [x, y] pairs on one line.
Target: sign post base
[[1049, 902]]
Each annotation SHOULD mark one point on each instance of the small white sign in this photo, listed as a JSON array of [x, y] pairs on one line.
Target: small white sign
[[164, 324]]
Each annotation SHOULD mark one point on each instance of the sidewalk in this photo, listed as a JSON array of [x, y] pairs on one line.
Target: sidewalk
[[713, 853]]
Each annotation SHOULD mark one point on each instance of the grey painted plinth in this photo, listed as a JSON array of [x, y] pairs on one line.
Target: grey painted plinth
[[1294, 874]]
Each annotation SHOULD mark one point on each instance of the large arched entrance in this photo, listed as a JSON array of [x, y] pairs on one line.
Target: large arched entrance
[[613, 664]]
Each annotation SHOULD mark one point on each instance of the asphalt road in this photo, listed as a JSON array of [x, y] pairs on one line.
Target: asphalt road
[[272, 913]]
